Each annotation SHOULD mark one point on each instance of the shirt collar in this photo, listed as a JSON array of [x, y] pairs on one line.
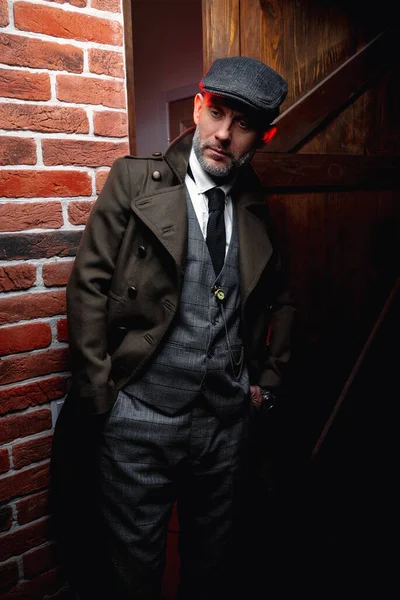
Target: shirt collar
[[204, 181]]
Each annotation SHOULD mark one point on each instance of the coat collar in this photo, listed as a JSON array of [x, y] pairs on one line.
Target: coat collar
[[166, 216]]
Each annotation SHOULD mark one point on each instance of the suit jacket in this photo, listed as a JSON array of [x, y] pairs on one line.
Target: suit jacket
[[125, 286]]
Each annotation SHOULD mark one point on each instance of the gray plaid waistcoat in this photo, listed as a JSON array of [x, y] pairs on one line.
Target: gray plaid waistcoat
[[194, 358]]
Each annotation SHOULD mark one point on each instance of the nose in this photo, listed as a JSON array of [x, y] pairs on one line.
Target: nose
[[223, 133]]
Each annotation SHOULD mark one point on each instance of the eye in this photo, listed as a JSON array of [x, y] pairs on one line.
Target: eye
[[215, 113], [243, 124]]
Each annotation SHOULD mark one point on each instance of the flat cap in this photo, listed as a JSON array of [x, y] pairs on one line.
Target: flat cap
[[248, 81]]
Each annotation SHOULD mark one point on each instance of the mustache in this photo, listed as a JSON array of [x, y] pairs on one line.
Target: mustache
[[218, 148]]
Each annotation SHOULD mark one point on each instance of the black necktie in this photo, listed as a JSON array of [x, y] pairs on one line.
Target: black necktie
[[216, 238]]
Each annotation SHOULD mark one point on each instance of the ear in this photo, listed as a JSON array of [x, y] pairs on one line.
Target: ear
[[269, 134], [198, 105]]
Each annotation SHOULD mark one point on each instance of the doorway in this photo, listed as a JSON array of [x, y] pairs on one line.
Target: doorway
[[167, 66]]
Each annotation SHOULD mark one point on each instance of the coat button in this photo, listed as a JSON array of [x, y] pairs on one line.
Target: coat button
[[132, 291], [142, 251], [157, 153], [156, 176]]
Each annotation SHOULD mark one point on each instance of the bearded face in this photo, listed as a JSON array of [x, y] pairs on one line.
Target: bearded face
[[225, 139]]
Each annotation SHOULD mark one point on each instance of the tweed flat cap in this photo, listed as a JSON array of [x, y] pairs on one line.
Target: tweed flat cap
[[249, 81]]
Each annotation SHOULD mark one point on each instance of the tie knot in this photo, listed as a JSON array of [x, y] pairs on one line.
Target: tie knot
[[216, 199]]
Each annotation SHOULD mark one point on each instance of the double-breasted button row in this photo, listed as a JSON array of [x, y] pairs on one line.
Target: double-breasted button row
[[132, 291]]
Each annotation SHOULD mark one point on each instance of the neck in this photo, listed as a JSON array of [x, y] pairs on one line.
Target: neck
[[220, 181]]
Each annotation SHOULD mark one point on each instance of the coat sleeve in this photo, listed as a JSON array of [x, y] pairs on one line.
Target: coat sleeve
[[87, 292], [276, 350], [277, 343]]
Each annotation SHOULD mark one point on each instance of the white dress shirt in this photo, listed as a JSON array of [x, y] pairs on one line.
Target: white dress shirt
[[197, 188]]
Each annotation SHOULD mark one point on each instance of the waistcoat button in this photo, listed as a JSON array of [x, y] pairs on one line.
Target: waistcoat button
[[156, 176]]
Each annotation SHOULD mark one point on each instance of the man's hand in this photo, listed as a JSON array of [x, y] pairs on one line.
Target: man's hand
[[260, 397], [255, 395]]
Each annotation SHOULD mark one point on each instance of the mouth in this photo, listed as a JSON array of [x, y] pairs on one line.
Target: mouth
[[218, 152]]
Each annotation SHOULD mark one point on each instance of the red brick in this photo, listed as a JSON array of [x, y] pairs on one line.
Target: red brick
[[110, 5], [27, 481], [111, 124], [17, 151], [36, 450], [101, 177], [79, 3], [66, 24], [20, 397], [44, 184], [47, 119], [22, 425], [8, 574], [28, 52], [62, 330], [43, 586], [20, 216], [39, 560], [4, 460], [32, 306], [82, 153], [22, 338], [79, 211], [106, 62], [91, 90], [17, 277], [6, 518], [33, 365], [33, 508], [4, 18], [56, 273], [54, 244], [21, 84], [23, 539]]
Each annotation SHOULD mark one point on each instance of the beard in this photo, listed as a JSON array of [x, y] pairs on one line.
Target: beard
[[215, 170]]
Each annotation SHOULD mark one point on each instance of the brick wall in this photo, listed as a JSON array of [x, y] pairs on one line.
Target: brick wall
[[62, 123]]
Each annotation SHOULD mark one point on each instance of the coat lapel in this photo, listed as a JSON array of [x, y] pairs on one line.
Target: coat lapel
[[165, 214]]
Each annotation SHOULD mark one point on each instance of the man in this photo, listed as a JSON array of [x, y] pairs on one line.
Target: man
[[179, 323]]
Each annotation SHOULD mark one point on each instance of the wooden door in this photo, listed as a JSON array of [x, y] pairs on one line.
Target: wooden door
[[331, 173], [332, 181]]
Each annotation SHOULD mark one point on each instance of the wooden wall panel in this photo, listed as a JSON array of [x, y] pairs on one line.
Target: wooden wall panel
[[130, 80], [339, 230], [220, 30], [340, 243]]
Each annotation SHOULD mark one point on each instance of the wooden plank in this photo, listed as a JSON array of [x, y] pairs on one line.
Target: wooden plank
[[129, 65], [334, 93], [220, 30], [250, 29], [327, 170]]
